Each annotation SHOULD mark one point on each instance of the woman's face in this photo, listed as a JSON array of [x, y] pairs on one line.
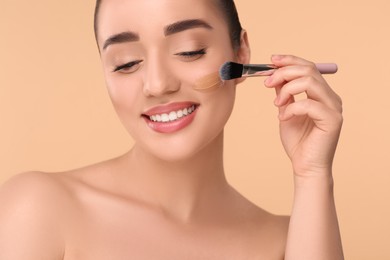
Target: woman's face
[[153, 54]]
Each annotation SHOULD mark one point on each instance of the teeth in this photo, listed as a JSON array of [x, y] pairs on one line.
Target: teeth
[[164, 118], [172, 116], [180, 114]]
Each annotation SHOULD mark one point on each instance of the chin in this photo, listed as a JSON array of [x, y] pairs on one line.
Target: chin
[[181, 148]]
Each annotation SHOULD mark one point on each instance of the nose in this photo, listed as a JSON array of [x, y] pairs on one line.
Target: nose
[[160, 79]]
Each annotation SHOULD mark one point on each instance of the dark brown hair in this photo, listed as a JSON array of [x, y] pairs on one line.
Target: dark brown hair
[[229, 12]]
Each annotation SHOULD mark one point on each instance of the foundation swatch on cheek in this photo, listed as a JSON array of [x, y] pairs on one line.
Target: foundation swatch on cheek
[[209, 82]]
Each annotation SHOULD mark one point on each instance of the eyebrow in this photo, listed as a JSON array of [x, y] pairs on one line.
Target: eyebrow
[[186, 25], [176, 27], [121, 38]]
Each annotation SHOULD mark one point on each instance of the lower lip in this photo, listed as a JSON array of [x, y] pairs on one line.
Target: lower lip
[[171, 127]]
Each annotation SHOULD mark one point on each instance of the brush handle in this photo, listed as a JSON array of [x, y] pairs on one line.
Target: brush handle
[[254, 70], [327, 68]]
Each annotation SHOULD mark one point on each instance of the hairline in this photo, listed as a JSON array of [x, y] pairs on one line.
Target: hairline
[[218, 3]]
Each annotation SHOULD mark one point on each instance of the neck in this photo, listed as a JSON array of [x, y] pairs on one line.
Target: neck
[[181, 189]]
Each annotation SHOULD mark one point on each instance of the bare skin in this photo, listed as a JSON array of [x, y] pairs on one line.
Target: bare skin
[[168, 197], [88, 214]]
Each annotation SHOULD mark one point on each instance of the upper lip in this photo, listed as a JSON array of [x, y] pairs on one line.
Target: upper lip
[[166, 108]]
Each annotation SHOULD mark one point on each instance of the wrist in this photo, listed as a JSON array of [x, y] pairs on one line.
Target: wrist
[[314, 181], [304, 171]]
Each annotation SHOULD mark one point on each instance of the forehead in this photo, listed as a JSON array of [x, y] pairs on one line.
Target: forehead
[[151, 16]]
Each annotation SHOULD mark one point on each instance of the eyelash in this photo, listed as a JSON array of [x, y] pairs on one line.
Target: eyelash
[[128, 65], [186, 55], [191, 54]]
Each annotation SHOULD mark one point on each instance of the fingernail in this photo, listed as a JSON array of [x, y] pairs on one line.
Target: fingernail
[[268, 80], [277, 57]]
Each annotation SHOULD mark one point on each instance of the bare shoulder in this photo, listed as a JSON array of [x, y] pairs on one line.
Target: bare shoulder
[[267, 231], [30, 216], [38, 209], [261, 217], [33, 189], [50, 190], [30, 190], [275, 233], [271, 234], [28, 180]]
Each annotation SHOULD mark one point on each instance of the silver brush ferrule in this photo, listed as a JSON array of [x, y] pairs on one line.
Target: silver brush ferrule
[[253, 70]]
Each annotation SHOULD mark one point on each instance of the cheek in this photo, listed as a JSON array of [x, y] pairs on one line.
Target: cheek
[[124, 94], [219, 104], [194, 73], [224, 102]]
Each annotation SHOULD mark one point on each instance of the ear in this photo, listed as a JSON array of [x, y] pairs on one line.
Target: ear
[[243, 54]]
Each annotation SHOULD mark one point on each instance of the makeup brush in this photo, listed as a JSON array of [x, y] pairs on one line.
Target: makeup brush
[[232, 70]]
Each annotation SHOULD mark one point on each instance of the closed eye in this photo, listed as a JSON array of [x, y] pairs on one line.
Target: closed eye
[[128, 67], [192, 55]]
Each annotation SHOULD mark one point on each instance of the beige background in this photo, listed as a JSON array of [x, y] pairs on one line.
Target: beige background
[[55, 113]]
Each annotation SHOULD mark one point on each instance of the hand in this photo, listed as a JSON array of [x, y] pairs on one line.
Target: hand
[[309, 128]]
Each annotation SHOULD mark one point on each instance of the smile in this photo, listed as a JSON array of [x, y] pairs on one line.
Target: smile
[[173, 115]]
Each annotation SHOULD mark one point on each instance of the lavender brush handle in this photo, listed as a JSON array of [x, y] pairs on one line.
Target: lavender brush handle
[[252, 70], [327, 68]]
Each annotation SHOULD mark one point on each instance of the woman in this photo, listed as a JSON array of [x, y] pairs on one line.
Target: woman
[[168, 198]]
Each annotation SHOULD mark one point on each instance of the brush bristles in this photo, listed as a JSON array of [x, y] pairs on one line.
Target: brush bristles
[[231, 70]]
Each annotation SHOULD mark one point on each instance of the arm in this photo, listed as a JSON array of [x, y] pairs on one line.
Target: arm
[[313, 231], [29, 219], [309, 130]]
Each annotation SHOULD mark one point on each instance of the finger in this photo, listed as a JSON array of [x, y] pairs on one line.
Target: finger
[[314, 90], [291, 72], [325, 119], [286, 60], [282, 107], [312, 81]]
